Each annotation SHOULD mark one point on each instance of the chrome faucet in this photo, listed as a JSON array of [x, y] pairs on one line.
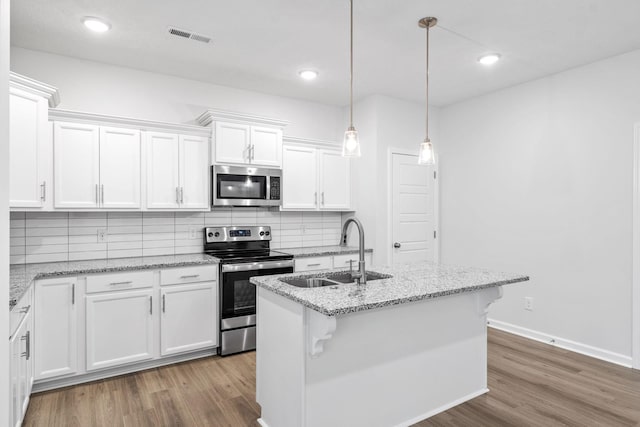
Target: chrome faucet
[[361, 275]]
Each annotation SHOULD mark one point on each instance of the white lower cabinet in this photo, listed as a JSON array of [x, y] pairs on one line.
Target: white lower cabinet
[[335, 261], [188, 318], [20, 359], [119, 328], [56, 322]]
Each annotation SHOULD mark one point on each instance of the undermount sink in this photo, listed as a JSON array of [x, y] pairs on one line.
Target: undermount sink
[[330, 279]]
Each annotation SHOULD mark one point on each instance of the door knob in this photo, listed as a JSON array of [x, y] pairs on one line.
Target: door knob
[[396, 245]]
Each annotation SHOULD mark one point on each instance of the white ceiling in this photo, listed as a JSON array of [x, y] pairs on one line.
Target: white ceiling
[[261, 44]]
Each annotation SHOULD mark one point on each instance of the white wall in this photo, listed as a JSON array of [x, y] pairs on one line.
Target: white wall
[[4, 210], [100, 88], [537, 179]]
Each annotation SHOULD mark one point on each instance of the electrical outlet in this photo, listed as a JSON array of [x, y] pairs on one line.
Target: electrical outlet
[[528, 303], [193, 232], [102, 235]]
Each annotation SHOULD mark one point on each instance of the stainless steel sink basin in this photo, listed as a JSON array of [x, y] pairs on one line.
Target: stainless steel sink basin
[[330, 279]]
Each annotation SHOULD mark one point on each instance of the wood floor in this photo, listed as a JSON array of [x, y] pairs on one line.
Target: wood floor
[[531, 384]]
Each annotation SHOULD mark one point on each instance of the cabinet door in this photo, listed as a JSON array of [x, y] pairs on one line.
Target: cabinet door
[[30, 149], [188, 318], [163, 179], [17, 376], [232, 143], [266, 146], [55, 340], [299, 180], [76, 165], [119, 168], [194, 172], [335, 181], [119, 328]]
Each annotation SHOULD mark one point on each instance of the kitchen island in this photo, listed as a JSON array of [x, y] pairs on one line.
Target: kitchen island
[[389, 353]]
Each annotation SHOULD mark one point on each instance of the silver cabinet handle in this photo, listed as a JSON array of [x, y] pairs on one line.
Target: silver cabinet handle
[[27, 338], [43, 191], [315, 196], [121, 283], [177, 195], [181, 195], [314, 265], [323, 198], [163, 303], [253, 151], [150, 304], [97, 196], [349, 261], [73, 293], [191, 276], [25, 310], [102, 193]]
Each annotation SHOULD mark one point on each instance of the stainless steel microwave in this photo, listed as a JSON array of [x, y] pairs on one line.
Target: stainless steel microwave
[[245, 186]]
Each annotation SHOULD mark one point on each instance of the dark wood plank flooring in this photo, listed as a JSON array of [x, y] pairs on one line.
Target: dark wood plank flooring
[[532, 384]]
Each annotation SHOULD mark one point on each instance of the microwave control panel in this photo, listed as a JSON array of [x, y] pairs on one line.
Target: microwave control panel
[[275, 188]]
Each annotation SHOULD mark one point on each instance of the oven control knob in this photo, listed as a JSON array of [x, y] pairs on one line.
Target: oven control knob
[[210, 234], [262, 233], [267, 233], [217, 234]]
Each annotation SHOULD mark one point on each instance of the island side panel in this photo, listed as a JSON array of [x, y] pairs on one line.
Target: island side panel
[[397, 365], [279, 360]]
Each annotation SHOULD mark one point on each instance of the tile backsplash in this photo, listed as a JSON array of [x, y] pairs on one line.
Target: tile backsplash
[[72, 236]]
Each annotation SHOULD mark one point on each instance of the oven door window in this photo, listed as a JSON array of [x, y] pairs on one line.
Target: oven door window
[[238, 295], [241, 187]]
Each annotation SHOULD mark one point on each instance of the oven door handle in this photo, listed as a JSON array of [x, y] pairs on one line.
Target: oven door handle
[[250, 266]]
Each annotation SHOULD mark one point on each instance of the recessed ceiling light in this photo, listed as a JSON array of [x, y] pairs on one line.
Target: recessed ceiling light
[[96, 24], [489, 59], [308, 74]]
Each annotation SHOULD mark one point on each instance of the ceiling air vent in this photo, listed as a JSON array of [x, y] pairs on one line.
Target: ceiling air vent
[[189, 35]]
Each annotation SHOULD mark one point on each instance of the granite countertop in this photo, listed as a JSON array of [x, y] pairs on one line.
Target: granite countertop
[[410, 282], [321, 251], [21, 276]]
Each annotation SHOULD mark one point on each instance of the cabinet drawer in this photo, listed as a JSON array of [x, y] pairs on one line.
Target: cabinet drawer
[[340, 261], [314, 263], [119, 281], [201, 273], [20, 311]]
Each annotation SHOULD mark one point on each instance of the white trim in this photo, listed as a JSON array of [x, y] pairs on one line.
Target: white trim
[[635, 291], [262, 422], [212, 115], [587, 350], [313, 142], [128, 122], [34, 86], [436, 202], [442, 408]]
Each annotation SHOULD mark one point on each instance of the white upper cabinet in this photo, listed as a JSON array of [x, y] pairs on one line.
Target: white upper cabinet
[[334, 180], [30, 146], [76, 165], [299, 178], [96, 167], [244, 139], [315, 179], [119, 168], [177, 171]]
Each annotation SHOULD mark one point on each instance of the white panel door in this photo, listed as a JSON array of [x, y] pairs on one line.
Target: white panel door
[[55, 340], [335, 181], [413, 225], [119, 328], [76, 165], [162, 165], [299, 178], [266, 146], [194, 172], [119, 168], [232, 143], [29, 149], [188, 318]]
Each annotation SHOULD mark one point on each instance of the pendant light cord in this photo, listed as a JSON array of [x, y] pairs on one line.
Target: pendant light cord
[[427, 90], [351, 72]]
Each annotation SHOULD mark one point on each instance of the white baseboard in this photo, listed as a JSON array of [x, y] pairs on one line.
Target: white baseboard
[[442, 408], [262, 422], [587, 350]]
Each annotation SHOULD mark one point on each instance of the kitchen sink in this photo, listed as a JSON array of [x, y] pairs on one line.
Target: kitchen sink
[[330, 279]]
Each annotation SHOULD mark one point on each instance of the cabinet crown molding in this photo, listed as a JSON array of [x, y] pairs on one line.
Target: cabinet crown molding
[[209, 116], [36, 87], [127, 122], [311, 142]]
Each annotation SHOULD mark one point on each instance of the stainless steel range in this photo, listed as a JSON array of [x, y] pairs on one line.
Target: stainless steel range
[[244, 252]]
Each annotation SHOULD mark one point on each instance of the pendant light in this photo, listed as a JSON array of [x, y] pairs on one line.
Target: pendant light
[[426, 156], [351, 142]]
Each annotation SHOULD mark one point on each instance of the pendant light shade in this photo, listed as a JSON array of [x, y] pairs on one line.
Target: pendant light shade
[[426, 155], [351, 142]]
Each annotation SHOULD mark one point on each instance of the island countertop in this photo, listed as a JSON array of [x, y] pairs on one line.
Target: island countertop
[[410, 282]]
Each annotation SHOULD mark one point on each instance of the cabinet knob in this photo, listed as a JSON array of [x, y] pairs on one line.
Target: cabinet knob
[[397, 245]]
